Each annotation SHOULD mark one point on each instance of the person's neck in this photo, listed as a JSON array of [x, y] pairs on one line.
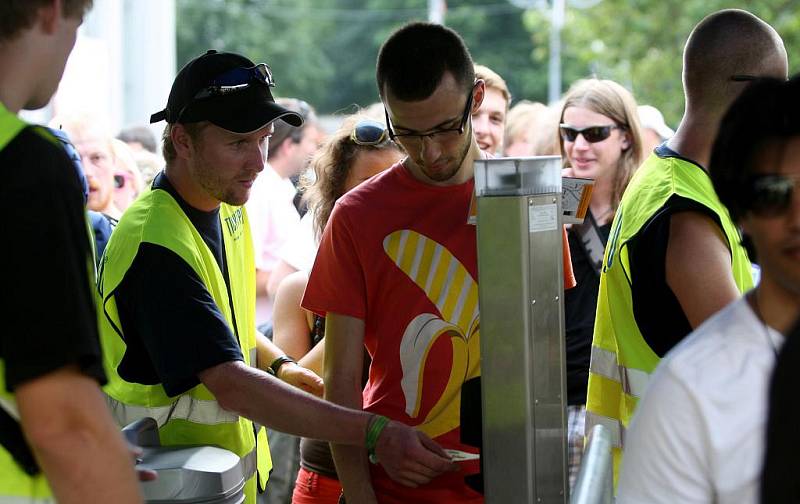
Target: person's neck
[[282, 167], [16, 75], [112, 211], [600, 205], [778, 307], [189, 189], [694, 137]]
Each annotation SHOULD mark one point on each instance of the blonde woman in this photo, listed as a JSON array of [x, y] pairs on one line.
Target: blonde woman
[[600, 139]]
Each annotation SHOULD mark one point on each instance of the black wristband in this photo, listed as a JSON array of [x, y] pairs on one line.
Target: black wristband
[[278, 362]]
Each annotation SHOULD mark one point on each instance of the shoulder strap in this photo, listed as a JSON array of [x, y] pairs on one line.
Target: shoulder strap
[[593, 246], [12, 439]]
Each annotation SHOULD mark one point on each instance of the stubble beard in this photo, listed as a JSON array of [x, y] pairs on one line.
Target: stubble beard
[[455, 167]]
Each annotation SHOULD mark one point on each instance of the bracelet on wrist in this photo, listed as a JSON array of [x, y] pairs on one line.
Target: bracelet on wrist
[[278, 362], [374, 429]]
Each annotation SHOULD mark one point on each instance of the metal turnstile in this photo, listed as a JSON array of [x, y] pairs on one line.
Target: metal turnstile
[[520, 271], [187, 474]]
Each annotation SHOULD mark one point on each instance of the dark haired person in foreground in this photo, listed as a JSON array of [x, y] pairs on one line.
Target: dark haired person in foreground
[[57, 439], [698, 435]]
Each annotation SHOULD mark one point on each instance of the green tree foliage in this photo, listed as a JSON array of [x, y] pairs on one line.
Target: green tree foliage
[[639, 43], [324, 51]]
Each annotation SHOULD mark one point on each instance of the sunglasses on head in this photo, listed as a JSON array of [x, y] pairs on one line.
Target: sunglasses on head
[[591, 134], [771, 194], [368, 132]]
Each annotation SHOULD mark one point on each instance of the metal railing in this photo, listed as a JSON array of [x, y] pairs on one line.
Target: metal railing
[[595, 484]]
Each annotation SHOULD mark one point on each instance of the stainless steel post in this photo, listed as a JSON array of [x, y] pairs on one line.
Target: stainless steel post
[[520, 273]]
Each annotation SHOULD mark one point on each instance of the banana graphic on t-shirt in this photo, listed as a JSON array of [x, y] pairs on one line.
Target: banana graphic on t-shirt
[[454, 292]]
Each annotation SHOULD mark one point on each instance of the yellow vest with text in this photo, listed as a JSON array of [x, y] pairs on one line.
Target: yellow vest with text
[[622, 361], [16, 486], [194, 417]]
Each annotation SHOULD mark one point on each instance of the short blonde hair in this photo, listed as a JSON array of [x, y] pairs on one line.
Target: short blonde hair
[[168, 149], [522, 119], [493, 81]]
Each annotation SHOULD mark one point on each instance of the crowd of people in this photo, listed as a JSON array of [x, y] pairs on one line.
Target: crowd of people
[[309, 300]]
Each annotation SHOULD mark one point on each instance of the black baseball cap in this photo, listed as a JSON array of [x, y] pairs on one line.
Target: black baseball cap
[[240, 111]]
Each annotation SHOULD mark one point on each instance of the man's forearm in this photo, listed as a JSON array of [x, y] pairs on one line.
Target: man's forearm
[[352, 464], [75, 440], [269, 401]]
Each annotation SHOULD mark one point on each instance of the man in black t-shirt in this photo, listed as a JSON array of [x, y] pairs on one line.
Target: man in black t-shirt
[[49, 375]]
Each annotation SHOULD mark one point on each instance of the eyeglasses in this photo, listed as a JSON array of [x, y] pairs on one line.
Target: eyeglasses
[[771, 194], [591, 134], [369, 133], [435, 135], [233, 81]]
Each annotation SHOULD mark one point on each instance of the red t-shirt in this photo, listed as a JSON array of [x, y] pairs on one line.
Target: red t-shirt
[[401, 255]]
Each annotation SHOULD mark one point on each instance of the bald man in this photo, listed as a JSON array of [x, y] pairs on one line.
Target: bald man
[[674, 256]]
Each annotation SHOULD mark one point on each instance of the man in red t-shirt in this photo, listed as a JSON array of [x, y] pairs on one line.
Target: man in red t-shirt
[[397, 272]]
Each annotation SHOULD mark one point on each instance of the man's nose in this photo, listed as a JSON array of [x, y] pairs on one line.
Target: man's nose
[[258, 157], [429, 150]]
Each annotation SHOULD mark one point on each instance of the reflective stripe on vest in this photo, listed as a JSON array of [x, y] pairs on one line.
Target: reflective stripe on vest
[[616, 430], [5, 499], [604, 363], [185, 408]]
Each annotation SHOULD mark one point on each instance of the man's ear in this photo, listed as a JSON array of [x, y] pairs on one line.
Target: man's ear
[[478, 94], [49, 16], [181, 141]]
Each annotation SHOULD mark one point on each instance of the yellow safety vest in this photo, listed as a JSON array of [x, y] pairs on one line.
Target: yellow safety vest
[[622, 361], [194, 417], [17, 486]]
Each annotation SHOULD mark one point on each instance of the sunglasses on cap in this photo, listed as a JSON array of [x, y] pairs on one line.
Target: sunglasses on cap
[[237, 80], [368, 132], [233, 81], [771, 194], [591, 134]]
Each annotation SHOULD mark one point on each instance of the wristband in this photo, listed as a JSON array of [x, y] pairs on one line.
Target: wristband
[[280, 361], [374, 429]]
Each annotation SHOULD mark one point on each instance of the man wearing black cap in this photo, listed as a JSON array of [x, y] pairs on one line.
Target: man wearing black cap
[[177, 284]]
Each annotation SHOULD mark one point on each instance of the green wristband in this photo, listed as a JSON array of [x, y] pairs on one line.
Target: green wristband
[[376, 425]]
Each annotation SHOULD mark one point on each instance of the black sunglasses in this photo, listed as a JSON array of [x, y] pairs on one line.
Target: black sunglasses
[[771, 194], [435, 133], [369, 133], [591, 134], [233, 81]]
